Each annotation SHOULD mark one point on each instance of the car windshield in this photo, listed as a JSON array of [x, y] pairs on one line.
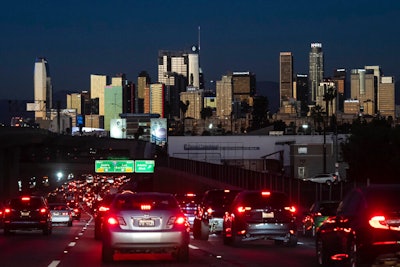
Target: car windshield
[[145, 202], [328, 208]]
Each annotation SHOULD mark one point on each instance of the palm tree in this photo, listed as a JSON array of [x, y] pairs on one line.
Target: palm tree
[[317, 114]]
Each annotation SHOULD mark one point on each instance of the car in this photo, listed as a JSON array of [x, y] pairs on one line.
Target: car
[[318, 212], [324, 178], [101, 208], [28, 212], [365, 228], [145, 222], [60, 214], [260, 215], [210, 212], [188, 203], [75, 210]]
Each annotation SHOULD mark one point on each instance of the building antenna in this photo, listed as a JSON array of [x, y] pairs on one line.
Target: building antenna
[[199, 40]]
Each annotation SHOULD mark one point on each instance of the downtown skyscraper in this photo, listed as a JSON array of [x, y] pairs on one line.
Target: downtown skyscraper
[[285, 76], [316, 71], [43, 89]]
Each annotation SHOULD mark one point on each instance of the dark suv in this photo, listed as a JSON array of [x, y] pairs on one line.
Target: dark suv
[[256, 215], [27, 213], [210, 212]]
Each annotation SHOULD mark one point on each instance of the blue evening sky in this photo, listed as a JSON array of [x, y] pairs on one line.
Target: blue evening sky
[[80, 38]]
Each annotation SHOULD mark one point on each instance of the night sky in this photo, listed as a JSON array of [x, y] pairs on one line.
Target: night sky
[[80, 38]]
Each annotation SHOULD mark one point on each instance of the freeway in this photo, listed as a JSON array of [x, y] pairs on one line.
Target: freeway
[[76, 246]]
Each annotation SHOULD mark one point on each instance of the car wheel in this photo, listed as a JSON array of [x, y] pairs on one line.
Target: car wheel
[[46, 231], [182, 255], [292, 241], [69, 223], [7, 231], [201, 230], [322, 258], [107, 253], [97, 232], [329, 183], [235, 240]]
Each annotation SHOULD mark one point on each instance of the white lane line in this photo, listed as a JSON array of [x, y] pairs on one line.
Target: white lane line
[[54, 263], [193, 247], [71, 244]]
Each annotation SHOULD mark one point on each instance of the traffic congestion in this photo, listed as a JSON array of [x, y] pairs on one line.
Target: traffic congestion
[[116, 222]]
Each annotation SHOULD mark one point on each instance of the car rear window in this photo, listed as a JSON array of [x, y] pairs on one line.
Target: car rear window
[[257, 200], [33, 203], [220, 197], [59, 207], [143, 202]]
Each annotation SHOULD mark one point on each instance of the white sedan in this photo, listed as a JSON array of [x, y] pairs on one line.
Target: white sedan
[[324, 178]]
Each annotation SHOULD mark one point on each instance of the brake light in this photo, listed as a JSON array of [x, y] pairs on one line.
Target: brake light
[[292, 209], [103, 208], [190, 195], [43, 210], [180, 220], [265, 193], [209, 210], [116, 221], [25, 198], [242, 209], [7, 210], [145, 207], [380, 222]]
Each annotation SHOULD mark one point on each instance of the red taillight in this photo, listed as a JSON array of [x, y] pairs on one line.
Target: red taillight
[[103, 208], [265, 193], [190, 195], [116, 220], [7, 210], [209, 210], [112, 221], [25, 198], [292, 209], [43, 210], [380, 222], [243, 209], [180, 220], [145, 207], [76, 210]]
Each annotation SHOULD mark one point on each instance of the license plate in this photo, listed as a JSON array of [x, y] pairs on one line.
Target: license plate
[[56, 213], [25, 213], [267, 215], [146, 223]]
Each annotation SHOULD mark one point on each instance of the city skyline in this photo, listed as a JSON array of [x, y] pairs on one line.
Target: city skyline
[[79, 39]]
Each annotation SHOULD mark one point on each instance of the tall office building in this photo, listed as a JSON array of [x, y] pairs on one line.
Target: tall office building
[[112, 104], [156, 98], [301, 93], [316, 71], [224, 96], [143, 82], [177, 70], [386, 97], [285, 76], [43, 89], [97, 84], [243, 86], [339, 78], [195, 98], [364, 88]]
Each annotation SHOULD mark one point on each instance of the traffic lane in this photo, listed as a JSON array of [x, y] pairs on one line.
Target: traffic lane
[[87, 252], [32, 248]]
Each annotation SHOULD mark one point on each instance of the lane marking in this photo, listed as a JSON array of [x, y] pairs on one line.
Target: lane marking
[[54, 263]]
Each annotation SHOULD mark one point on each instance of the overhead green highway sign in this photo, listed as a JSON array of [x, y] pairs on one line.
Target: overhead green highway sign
[[144, 166], [114, 166]]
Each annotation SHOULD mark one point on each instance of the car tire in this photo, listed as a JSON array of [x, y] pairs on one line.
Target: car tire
[[107, 253], [182, 255], [329, 183], [70, 224], [46, 230], [7, 231], [201, 230], [97, 232], [292, 242], [322, 257]]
